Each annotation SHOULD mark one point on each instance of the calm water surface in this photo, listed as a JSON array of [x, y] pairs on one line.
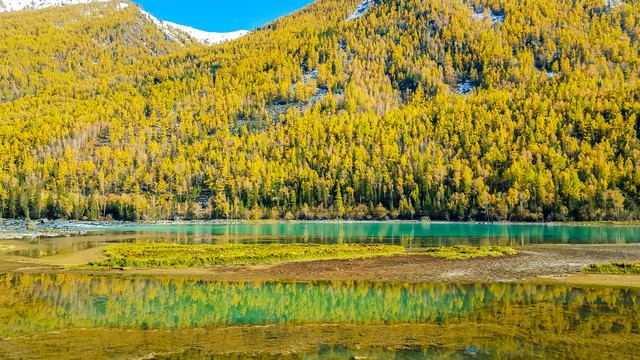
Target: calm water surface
[[44, 303], [416, 233]]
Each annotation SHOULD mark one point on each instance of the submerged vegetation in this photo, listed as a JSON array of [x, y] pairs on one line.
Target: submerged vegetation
[[466, 252], [614, 268], [174, 255]]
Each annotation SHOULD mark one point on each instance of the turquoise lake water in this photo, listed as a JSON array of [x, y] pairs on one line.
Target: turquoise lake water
[[420, 234]]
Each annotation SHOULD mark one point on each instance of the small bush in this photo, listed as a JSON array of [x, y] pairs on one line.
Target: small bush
[[614, 268], [466, 252]]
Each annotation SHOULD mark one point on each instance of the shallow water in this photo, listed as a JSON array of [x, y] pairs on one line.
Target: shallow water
[[410, 235], [114, 317], [37, 303], [422, 233]]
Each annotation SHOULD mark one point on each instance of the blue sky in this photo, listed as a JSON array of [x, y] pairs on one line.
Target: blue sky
[[221, 16]]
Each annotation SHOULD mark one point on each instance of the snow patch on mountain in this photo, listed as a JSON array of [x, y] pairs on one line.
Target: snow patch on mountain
[[613, 3], [463, 88], [17, 5], [207, 38], [203, 37], [362, 8], [548, 74], [496, 18]]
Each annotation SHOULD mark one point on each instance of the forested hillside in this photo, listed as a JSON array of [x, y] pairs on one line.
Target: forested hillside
[[459, 110]]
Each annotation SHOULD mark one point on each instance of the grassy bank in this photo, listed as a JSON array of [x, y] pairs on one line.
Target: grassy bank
[[614, 268], [173, 255], [466, 252]]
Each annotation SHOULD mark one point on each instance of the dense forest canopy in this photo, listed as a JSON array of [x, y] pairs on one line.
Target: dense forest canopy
[[458, 110]]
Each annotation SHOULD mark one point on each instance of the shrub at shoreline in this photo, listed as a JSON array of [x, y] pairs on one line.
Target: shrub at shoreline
[[614, 268], [466, 252]]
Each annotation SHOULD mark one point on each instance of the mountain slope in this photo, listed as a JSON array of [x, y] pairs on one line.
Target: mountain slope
[[75, 46], [203, 37], [413, 109]]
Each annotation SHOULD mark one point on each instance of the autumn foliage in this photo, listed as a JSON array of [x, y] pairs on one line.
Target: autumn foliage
[[312, 117]]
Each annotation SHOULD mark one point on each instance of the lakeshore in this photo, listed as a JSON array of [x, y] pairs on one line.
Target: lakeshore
[[555, 263]]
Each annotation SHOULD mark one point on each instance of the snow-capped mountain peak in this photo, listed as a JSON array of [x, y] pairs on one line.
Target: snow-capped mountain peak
[[203, 37]]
